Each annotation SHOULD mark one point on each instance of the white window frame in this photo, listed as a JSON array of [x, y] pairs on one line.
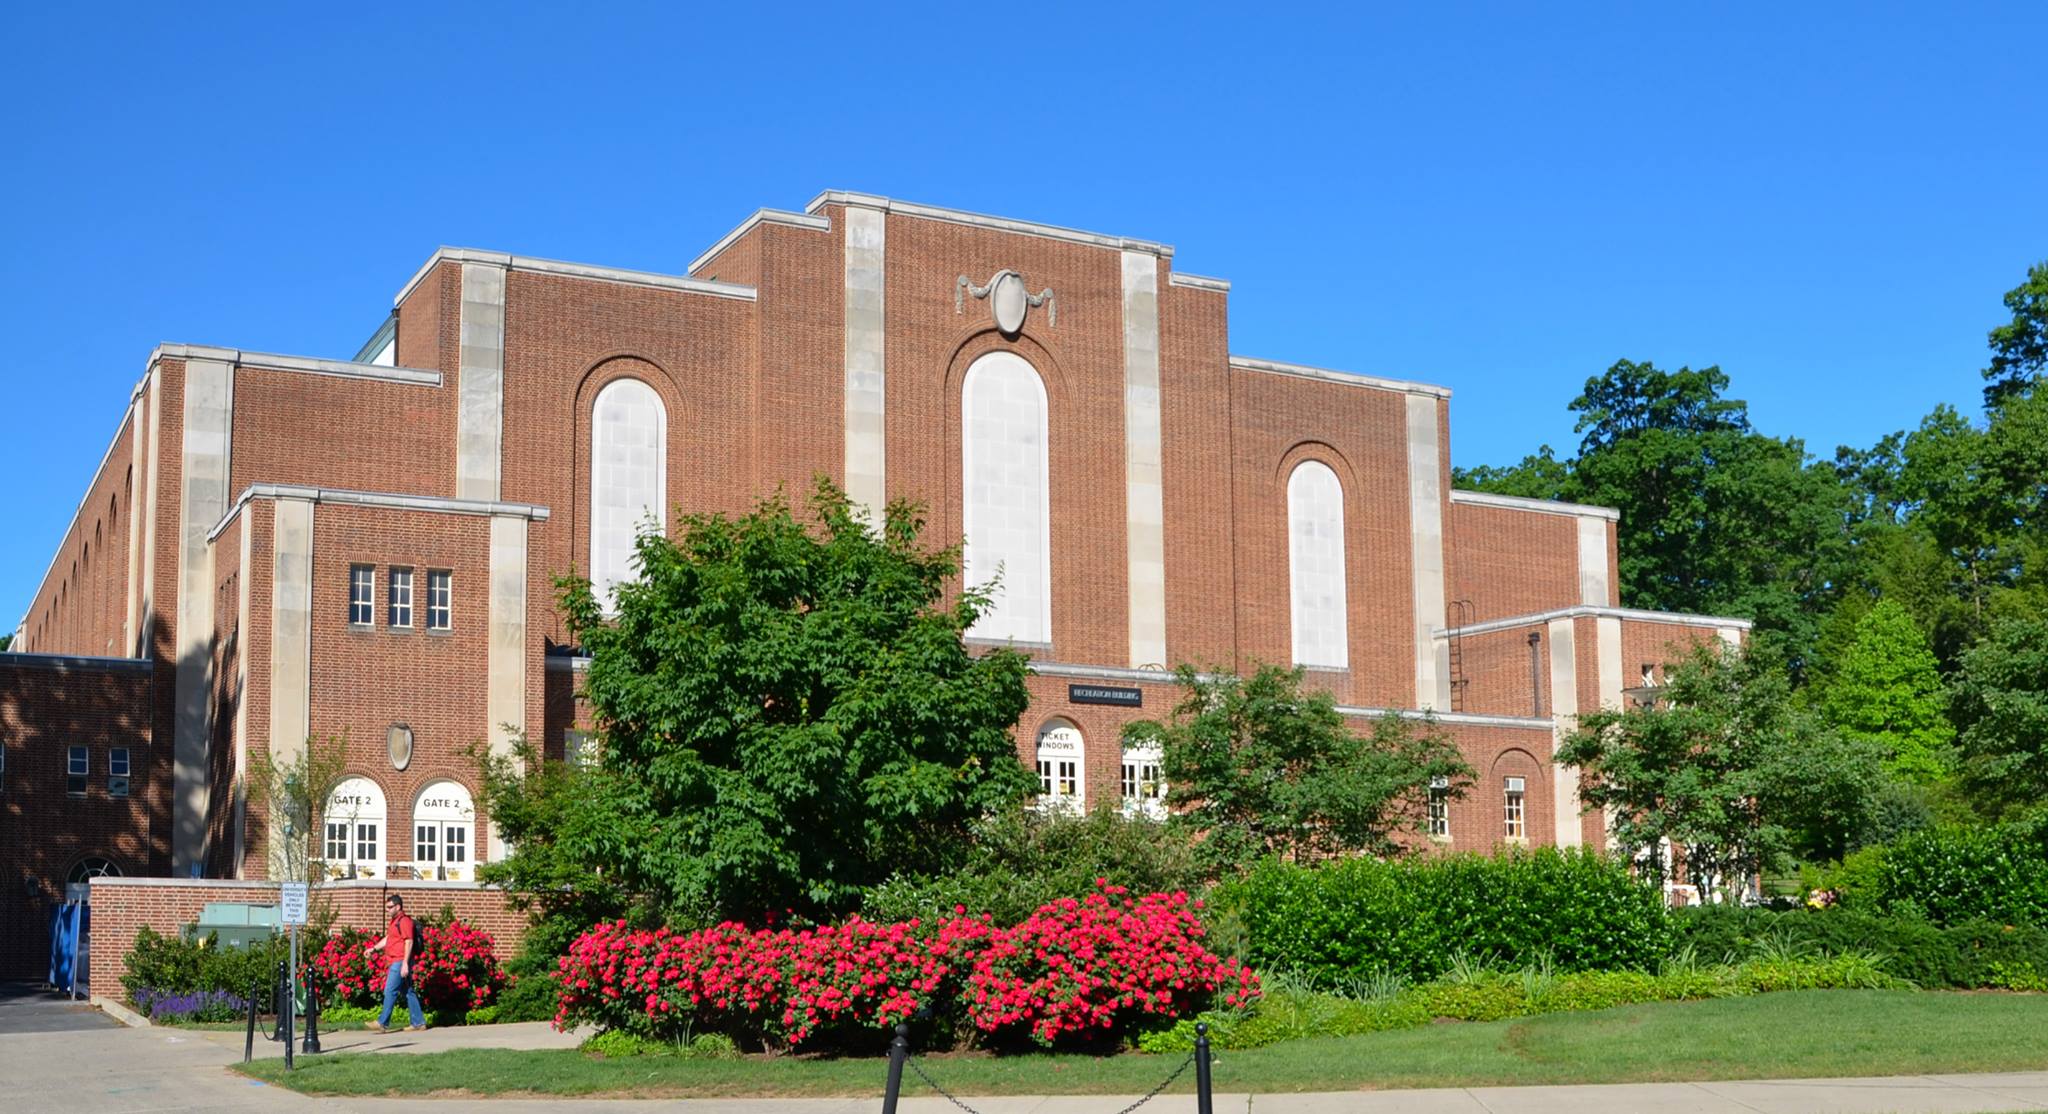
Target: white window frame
[[1143, 783], [440, 599], [1063, 769], [118, 767], [443, 827], [599, 470], [77, 770], [1515, 808], [362, 596], [398, 597], [367, 824], [1440, 808], [335, 840]]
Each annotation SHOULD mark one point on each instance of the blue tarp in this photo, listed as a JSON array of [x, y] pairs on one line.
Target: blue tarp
[[69, 925]]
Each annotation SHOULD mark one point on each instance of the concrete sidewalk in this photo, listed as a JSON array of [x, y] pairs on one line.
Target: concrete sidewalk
[[132, 1071]]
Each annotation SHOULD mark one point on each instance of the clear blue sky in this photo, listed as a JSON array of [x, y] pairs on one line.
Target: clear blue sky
[[1502, 199]]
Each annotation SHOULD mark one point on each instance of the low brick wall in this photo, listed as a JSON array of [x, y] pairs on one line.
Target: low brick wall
[[122, 907]]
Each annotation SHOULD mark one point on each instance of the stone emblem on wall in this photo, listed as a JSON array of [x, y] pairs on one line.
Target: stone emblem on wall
[[398, 741], [1009, 300]]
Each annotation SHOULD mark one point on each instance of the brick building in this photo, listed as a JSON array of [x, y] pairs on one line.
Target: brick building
[[283, 547]]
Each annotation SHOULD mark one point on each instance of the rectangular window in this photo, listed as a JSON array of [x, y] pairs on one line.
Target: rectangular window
[[575, 748], [117, 772], [1440, 808], [455, 839], [337, 841], [366, 843], [1143, 788], [1515, 827], [362, 595], [401, 598], [423, 847], [440, 600], [77, 768], [1059, 777]]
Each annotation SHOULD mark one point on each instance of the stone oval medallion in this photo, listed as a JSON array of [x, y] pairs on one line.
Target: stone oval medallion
[[1008, 301]]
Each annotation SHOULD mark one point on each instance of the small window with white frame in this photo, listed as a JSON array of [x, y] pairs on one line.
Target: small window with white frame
[[1144, 787], [77, 769], [1516, 809], [117, 772], [400, 596], [1060, 788], [362, 595], [337, 841], [440, 599], [1440, 807]]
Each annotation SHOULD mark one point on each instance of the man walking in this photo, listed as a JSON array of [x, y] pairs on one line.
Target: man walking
[[397, 944]]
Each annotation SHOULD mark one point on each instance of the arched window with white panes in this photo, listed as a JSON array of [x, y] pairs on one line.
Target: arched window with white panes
[[628, 478], [1144, 787], [352, 829], [1315, 566], [1062, 778], [444, 833], [1006, 503]]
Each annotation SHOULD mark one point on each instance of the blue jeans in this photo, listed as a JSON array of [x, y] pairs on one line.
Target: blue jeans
[[392, 981]]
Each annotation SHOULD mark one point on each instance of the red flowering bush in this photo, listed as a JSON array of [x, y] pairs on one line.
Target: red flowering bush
[[1087, 968], [456, 968]]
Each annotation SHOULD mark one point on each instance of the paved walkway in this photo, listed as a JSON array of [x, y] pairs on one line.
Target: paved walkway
[[146, 1071]]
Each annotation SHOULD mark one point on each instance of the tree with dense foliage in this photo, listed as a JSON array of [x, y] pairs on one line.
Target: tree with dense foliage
[[1728, 768], [787, 714], [1257, 767], [2019, 348], [1886, 690], [6, 640], [2000, 706]]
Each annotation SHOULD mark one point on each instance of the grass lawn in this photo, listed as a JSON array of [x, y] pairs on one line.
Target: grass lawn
[[1788, 1035]]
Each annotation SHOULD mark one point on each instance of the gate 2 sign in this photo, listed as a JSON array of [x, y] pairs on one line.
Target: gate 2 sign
[[1122, 696]]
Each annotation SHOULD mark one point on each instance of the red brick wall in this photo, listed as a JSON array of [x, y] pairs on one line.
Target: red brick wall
[[327, 431], [83, 600], [122, 907], [1509, 562], [46, 707]]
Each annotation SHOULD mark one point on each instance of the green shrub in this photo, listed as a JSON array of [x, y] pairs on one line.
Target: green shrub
[[482, 1015], [531, 998], [1952, 874], [345, 1016], [185, 965], [616, 1044], [1968, 955], [1580, 909]]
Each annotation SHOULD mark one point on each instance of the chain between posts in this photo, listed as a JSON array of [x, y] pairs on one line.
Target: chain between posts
[[899, 1054]]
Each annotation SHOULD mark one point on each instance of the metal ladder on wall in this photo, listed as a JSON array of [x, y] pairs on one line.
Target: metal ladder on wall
[[1461, 617]]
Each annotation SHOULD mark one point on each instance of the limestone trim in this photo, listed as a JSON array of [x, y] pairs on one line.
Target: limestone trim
[[74, 663], [207, 445], [1144, 468], [1198, 282], [866, 451], [131, 601], [291, 638], [760, 216], [480, 383], [308, 365], [1595, 581], [983, 220], [1162, 677], [1564, 708], [1348, 379], [145, 638], [1540, 506], [506, 660], [1584, 611], [428, 504], [592, 272], [1426, 548], [241, 732]]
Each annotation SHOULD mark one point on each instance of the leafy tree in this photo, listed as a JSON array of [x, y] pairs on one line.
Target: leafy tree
[[6, 640], [2019, 348], [787, 715], [1257, 767], [1539, 476], [1729, 768], [1886, 690], [2000, 706], [290, 797]]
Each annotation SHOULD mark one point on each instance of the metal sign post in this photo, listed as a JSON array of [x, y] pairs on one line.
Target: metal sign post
[[293, 898]]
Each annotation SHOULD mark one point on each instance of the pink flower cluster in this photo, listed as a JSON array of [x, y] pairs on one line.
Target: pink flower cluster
[[457, 968], [1079, 967]]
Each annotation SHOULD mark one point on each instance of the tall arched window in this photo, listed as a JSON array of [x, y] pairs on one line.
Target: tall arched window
[[628, 478], [1315, 565], [352, 832], [444, 832], [1006, 501], [1062, 773]]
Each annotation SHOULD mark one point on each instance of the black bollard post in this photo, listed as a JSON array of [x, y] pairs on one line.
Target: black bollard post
[[249, 1039], [278, 990], [312, 1041], [1205, 1095], [899, 1052]]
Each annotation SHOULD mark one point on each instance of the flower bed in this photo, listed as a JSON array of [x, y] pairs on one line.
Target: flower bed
[[1089, 969], [456, 970], [167, 1006]]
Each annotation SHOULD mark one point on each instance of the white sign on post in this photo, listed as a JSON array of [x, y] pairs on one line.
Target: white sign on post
[[294, 903]]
